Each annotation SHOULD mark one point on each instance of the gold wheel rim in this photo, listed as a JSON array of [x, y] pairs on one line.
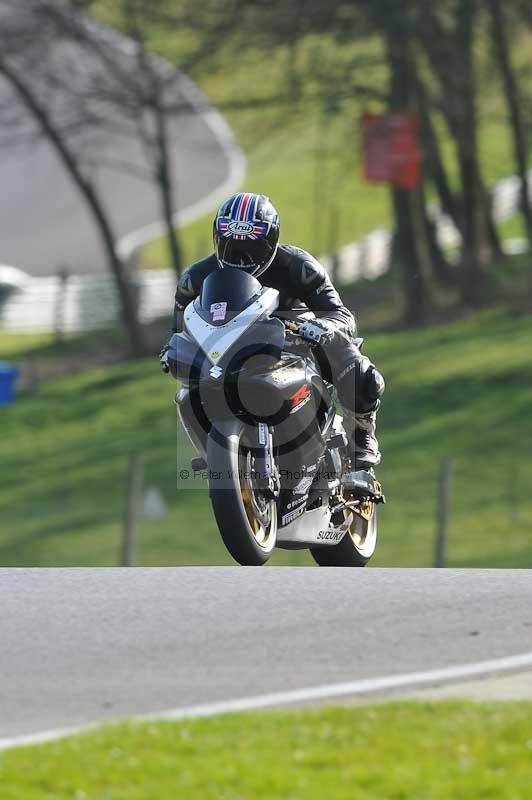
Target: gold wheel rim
[[362, 524], [261, 533]]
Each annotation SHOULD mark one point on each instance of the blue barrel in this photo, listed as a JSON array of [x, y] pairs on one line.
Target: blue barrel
[[8, 377]]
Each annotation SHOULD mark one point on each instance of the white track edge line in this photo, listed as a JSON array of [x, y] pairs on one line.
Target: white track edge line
[[323, 692]]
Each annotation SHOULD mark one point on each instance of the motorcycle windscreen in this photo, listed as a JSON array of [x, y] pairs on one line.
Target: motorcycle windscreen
[[259, 348], [225, 293]]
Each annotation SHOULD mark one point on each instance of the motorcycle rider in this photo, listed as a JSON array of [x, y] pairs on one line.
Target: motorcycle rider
[[246, 237]]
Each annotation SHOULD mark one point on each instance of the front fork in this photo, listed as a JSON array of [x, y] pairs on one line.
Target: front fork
[[266, 475]]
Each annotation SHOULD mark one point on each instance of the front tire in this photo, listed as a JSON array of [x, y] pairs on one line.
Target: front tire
[[246, 518], [358, 544]]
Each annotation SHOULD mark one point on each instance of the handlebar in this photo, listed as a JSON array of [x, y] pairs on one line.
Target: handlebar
[[293, 327]]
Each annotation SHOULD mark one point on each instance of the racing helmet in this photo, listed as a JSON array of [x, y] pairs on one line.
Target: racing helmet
[[246, 233]]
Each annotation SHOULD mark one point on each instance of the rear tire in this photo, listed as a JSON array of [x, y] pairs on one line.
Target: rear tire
[[246, 519], [357, 546]]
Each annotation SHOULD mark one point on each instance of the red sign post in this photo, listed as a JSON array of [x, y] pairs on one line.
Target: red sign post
[[392, 149]]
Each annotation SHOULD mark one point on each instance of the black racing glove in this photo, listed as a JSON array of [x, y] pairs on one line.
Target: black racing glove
[[319, 331], [163, 358]]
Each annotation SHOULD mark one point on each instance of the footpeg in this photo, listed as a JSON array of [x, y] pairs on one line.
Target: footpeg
[[198, 464], [363, 484], [337, 440]]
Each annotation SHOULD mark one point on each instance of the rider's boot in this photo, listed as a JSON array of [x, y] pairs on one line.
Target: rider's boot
[[363, 445]]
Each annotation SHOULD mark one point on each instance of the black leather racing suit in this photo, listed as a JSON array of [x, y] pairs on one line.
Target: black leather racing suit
[[300, 279]]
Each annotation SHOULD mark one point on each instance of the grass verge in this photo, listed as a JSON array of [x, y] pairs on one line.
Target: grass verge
[[393, 751], [462, 390]]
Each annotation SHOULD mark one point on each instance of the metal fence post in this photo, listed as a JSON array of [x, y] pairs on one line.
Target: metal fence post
[[60, 303], [134, 491], [440, 547]]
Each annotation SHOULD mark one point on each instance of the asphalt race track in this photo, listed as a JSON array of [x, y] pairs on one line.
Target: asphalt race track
[[81, 646], [45, 223]]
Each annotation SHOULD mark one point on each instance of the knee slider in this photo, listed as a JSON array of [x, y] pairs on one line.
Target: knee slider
[[374, 383], [369, 386]]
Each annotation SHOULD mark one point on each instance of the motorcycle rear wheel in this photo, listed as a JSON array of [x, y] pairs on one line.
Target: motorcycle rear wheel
[[357, 546], [246, 518]]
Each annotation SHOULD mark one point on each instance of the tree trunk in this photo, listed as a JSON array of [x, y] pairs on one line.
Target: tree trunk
[[477, 252], [164, 178], [511, 91], [407, 251], [432, 158], [433, 166], [127, 301], [443, 272], [157, 144], [497, 250], [411, 248], [458, 90]]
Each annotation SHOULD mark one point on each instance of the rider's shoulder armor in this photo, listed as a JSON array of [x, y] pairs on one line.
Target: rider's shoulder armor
[[305, 278], [304, 273]]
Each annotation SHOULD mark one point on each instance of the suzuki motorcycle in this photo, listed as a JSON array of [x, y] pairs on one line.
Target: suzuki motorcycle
[[262, 419]]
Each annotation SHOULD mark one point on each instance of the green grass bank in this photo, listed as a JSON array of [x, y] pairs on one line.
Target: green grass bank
[[396, 751], [461, 390]]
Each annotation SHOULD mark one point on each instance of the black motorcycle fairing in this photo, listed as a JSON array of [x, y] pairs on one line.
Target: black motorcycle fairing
[[224, 294], [265, 337], [264, 341], [287, 394], [187, 361], [193, 419]]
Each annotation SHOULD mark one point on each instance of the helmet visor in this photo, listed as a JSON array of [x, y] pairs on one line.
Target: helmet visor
[[247, 254]]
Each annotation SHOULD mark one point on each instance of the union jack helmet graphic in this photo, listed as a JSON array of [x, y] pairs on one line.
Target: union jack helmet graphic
[[246, 233]]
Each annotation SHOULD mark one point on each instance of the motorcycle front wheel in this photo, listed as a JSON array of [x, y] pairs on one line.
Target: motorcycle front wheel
[[246, 517]]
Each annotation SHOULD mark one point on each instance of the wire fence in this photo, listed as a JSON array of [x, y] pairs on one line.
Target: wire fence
[[82, 303], [88, 302]]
